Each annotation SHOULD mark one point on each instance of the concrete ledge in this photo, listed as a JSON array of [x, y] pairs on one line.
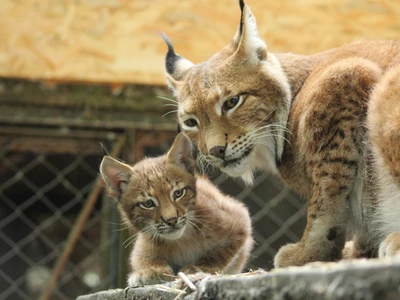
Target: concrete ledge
[[358, 279]]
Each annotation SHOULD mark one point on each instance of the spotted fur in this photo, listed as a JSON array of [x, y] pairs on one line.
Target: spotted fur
[[201, 229], [327, 124]]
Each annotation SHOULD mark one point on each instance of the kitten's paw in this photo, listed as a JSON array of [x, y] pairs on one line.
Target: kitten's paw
[[390, 246], [190, 270], [150, 276]]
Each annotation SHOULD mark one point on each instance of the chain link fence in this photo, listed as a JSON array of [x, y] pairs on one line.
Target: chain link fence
[[46, 179]]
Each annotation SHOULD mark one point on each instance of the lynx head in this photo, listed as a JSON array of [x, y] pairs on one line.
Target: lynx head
[[235, 105], [157, 195]]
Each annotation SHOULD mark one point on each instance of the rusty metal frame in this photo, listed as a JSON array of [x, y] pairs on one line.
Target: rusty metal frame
[[79, 225]]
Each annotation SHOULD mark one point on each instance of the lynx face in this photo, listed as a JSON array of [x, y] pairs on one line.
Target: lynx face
[[158, 199], [235, 105], [156, 195]]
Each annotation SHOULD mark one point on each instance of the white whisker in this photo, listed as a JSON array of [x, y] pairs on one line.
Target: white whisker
[[129, 241], [263, 119], [168, 99], [270, 135], [206, 81], [170, 112], [132, 238], [272, 125], [121, 229], [203, 165], [193, 224], [258, 139]]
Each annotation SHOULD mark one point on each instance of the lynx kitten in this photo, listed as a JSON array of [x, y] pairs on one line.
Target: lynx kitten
[[184, 222], [327, 124]]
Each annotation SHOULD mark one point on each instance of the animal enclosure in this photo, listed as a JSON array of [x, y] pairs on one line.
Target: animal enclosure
[[49, 164], [79, 78]]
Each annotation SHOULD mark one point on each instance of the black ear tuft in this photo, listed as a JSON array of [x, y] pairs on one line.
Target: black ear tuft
[[104, 149], [241, 4], [171, 57]]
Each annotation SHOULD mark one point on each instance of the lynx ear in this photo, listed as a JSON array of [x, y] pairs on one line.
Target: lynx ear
[[116, 174], [180, 153], [175, 65], [249, 47]]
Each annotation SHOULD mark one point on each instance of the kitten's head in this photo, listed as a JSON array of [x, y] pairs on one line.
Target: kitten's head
[[235, 105], [156, 195]]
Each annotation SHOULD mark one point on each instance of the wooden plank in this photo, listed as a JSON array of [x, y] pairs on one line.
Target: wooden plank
[[82, 105], [117, 40], [49, 145], [83, 95]]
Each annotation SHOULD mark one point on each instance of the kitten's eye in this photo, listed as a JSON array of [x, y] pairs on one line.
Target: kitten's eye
[[147, 204], [190, 122], [177, 194], [231, 103]]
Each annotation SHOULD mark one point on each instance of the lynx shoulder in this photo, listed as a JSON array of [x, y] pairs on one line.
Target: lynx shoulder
[[327, 124], [184, 222]]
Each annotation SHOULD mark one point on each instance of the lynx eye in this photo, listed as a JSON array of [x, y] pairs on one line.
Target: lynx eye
[[148, 204], [231, 103], [178, 194], [190, 122]]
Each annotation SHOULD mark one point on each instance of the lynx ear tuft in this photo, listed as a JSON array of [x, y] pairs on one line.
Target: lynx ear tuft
[[241, 4], [249, 47], [115, 174], [171, 57], [180, 154], [175, 65]]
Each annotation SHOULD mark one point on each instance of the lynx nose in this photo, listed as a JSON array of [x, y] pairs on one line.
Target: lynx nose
[[217, 151], [171, 221]]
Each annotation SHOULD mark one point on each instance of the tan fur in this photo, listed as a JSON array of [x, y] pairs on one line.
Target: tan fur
[[327, 124], [212, 231]]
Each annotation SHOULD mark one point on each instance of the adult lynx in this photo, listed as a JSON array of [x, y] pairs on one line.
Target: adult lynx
[[327, 124], [185, 223]]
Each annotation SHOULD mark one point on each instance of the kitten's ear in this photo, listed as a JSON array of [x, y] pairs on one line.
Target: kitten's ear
[[175, 65], [249, 47], [115, 173], [180, 153]]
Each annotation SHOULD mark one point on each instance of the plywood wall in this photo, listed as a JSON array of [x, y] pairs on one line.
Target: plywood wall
[[117, 40]]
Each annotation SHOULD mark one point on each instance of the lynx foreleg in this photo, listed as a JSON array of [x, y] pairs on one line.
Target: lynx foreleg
[[332, 143], [324, 236], [148, 267]]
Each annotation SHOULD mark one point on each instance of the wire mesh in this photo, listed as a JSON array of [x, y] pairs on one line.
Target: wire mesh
[[41, 192], [278, 215], [43, 185]]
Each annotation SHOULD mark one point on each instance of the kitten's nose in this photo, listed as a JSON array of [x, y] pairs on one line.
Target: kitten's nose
[[217, 151], [172, 221]]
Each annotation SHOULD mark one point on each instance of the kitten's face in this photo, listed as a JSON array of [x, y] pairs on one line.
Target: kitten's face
[[158, 198], [157, 195]]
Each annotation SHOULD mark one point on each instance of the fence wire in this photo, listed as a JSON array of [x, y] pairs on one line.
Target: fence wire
[[41, 193], [44, 183]]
